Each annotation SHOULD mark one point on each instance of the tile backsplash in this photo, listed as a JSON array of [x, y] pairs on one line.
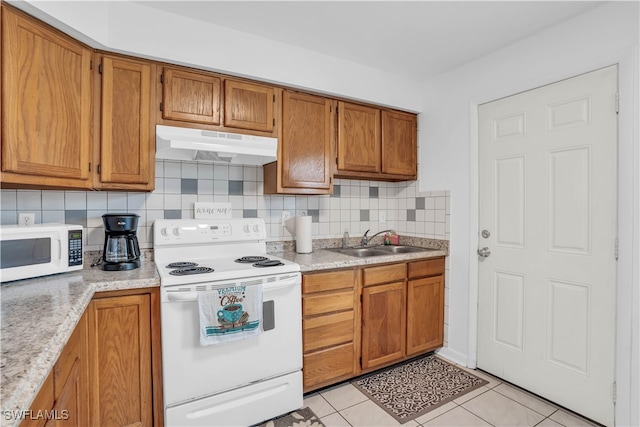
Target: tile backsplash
[[355, 205]]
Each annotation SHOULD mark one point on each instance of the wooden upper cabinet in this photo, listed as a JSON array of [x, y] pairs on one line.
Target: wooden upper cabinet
[[304, 150], [399, 146], [373, 143], [127, 133], [190, 96], [46, 106], [358, 138], [249, 106]]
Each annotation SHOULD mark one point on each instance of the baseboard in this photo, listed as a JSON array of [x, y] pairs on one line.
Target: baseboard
[[452, 356]]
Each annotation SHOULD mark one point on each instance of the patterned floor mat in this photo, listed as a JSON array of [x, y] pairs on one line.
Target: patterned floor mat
[[414, 388], [301, 418]]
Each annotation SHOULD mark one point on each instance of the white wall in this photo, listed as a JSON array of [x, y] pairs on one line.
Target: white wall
[[139, 30], [607, 35]]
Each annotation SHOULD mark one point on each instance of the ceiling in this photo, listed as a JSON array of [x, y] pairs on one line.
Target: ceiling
[[413, 39]]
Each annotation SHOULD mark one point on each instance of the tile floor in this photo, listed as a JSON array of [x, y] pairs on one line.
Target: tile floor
[[495, 404]]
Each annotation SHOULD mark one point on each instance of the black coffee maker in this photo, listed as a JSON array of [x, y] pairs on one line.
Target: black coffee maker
[[121, 249]]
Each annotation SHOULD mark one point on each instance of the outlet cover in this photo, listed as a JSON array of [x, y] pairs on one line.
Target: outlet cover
[[285, 216], [26, 219]]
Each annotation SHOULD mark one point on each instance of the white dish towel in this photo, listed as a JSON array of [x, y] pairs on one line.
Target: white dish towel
[[230, 314]]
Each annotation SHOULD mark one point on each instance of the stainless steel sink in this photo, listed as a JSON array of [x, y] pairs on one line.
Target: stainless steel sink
[[363, 252], [401, 249], [359, 252]]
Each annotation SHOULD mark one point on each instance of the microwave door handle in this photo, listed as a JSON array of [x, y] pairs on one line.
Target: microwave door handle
[[58, 247]]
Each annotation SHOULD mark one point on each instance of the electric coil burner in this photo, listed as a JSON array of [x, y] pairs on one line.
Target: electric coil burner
[[251, 259], [181, 264], [243, 382], [191, 270], [268, 263]]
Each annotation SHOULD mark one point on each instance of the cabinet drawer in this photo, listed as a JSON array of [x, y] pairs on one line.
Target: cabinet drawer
[[325, 365], [341, 279], [324, 331], [384, 274], [427, 267], [327, 303]]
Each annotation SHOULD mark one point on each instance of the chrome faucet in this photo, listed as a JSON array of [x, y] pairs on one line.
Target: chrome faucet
[[365, 240]]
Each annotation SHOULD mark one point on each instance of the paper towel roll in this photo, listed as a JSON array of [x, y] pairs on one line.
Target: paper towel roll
[[303, 234]]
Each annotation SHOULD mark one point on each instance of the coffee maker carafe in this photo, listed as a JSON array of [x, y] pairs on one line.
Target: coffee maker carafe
[[121, 250]]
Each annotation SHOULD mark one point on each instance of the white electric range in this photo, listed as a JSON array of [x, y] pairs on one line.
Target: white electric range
[[239, 383]]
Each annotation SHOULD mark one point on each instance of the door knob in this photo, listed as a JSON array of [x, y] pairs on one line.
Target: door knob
[[484, 252]]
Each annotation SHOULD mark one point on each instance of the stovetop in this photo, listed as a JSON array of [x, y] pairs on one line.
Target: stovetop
[[198, 251], [199, 270]]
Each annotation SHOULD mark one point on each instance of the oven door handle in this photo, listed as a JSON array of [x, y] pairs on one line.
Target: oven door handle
[[182, 296], [193, 296]]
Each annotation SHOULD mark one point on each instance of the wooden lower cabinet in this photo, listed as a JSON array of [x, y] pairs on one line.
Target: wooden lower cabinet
[[383, 323], [357, 321], [109, 372], [425, 314], [329, 325], [125, 375], [383, 314], [425, 305], [63, 399]]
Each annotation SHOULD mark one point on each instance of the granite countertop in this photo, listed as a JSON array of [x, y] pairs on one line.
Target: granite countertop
[[37, 318], [322, 259]]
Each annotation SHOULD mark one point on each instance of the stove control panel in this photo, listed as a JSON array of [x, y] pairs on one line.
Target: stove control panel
[[180, 231]]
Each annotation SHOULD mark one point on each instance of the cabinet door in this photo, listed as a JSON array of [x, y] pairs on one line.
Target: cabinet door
[[425, 314], [46, 106], [191, 97], [305, 146], [71, 404], [249, 106], [43, 402], [358, 138], [120, 355], [383, 324], [127, 136], [71, 380], [399, 147]]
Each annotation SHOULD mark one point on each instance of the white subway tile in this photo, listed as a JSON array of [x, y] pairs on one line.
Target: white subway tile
[[53, 200], [172, 169], [116, 202], [236, 173], [189, 170]]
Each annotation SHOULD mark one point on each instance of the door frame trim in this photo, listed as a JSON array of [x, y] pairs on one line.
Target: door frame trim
[[627, 215]]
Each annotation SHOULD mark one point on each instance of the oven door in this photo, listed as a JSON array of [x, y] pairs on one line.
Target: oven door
[[192, 371]]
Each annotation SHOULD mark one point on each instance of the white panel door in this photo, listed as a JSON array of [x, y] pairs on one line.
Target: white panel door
[[547, 215]]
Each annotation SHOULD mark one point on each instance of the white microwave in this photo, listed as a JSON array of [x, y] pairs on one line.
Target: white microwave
[[40, 250]]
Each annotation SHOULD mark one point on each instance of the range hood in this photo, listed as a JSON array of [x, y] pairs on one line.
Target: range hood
[[177, 143]]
